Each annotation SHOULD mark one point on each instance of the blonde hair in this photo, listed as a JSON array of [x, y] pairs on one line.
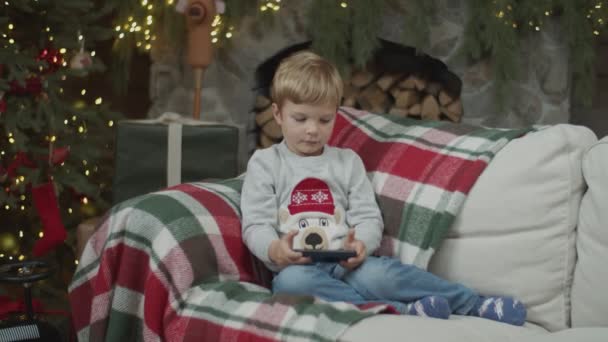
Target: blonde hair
[[306, 78]]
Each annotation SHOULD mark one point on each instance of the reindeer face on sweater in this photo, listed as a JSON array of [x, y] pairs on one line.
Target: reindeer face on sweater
[[312, 213]]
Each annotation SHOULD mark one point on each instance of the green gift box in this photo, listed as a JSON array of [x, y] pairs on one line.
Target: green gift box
[[158, 153]]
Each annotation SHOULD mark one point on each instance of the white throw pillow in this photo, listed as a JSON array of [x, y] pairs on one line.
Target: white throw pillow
[[515, 235], [589, 297]]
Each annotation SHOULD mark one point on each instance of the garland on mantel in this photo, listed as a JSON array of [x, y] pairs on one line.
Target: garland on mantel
[[345, 31]]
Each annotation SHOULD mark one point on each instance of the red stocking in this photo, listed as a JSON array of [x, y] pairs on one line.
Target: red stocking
[[48, 210]]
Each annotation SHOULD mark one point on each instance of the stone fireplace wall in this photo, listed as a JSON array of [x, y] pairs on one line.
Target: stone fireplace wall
[[541, 95]]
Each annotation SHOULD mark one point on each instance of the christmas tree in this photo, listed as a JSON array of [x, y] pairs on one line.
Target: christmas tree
[[55, 138]]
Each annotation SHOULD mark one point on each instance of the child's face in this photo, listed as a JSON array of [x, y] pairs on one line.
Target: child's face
[[306, 128]]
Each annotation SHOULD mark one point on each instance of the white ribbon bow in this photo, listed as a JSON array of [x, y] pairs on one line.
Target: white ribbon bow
[[181, 5]]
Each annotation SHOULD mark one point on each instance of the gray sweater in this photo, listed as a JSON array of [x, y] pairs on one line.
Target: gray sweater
[[272, 174]]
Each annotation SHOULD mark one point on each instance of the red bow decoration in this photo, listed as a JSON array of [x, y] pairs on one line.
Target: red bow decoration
[[58, 156], [33, 85]]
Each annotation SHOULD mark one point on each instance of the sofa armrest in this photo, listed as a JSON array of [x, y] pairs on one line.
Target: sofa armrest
[[589, 301]]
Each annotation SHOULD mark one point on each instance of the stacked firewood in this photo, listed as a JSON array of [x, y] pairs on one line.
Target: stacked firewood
[[392, 93]]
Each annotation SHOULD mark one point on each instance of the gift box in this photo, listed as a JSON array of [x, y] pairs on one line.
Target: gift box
[[158, 153]]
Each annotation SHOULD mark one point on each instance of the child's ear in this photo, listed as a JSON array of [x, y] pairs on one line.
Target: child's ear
[[283, 215], [276, 113], [337, 215]]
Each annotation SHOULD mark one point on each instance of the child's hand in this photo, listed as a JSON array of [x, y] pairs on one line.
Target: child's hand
[[358, 246], [280, 251]]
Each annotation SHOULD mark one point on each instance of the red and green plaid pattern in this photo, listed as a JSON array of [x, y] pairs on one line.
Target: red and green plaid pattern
[[421, 172], [171, 266]]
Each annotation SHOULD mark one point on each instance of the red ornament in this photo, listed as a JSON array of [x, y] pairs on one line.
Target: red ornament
[[52, 57]]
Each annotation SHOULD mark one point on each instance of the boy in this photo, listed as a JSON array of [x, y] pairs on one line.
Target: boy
[[306, 91]]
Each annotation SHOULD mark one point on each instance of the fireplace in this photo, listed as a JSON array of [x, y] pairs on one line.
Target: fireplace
[[541, 95], [399, 80]]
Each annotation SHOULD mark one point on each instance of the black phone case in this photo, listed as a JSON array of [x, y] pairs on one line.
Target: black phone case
[[328, 256]]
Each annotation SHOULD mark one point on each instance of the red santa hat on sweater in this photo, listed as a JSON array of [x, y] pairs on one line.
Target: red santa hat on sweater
[[311, 194]]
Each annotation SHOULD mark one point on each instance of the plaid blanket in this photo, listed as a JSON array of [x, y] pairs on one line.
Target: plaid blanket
[[421, 172], [171, 266]]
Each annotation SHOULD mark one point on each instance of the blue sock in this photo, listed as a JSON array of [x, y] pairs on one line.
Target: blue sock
[[431, 306], [501, 309]]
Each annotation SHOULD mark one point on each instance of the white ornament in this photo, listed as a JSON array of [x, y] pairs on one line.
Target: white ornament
[[81, 60]]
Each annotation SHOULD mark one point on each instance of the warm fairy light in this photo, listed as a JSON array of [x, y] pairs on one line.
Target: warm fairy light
[[110, 123], [65, 121], [21, 257], [53, 138], [83, 92], [70, 211], [21, 233], [98, 101], [344, 4], [76, 262], [41, 234], [10, 26], [85, 200], [86, 173], [80, 129]]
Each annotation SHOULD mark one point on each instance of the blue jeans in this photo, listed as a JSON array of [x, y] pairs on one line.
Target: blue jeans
[[376, 280]]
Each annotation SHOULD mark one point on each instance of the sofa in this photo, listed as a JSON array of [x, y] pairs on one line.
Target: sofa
[[532, 226], [535, 226]]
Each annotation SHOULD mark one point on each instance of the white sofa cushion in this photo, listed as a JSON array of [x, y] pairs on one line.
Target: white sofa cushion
[[457, 328], [589, 298], [515, 235]]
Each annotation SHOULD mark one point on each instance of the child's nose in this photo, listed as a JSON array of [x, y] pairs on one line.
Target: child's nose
[[312, 128]]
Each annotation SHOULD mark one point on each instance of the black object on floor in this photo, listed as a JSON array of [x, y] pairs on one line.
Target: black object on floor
[[26, 326]]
